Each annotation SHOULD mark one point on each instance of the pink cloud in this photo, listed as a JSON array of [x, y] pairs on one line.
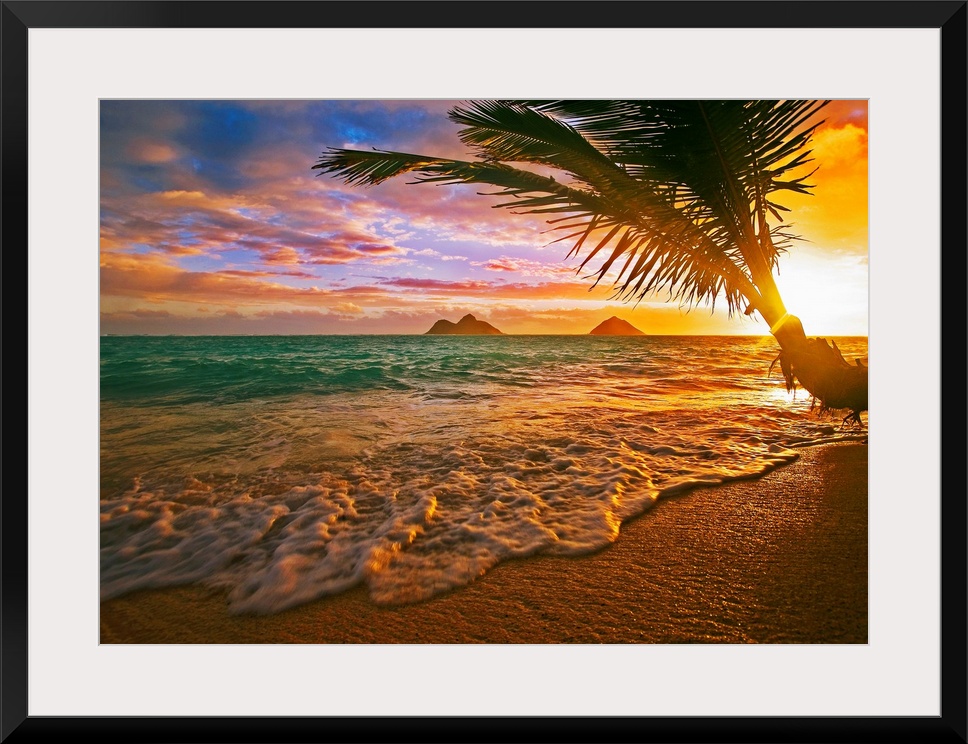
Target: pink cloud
[[247, 273], [526, 267], [191, 222]]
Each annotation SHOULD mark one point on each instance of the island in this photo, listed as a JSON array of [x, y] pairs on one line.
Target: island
[[615, 327], [466, 326]]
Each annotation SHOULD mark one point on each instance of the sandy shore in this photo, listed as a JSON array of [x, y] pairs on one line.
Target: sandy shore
[[780, 559]]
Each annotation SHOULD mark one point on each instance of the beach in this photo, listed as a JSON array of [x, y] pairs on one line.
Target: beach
[[778, 559]]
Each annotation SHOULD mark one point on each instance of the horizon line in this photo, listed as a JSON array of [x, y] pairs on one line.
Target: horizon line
[[483, 335]]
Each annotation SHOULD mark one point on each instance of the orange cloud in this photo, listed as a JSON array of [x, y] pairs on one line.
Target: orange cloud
[[836, 214], [244, 272], [144, 151]]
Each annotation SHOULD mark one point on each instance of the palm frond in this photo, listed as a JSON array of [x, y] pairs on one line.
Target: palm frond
[[721, 159], [533, 193], [680, 194]]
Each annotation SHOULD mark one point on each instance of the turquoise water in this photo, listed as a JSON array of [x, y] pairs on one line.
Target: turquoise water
[[286, 468]]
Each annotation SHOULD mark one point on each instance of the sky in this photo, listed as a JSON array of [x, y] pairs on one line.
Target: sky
[[212, 221]]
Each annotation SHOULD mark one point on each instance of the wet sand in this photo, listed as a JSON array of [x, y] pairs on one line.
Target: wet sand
[[779, 559]]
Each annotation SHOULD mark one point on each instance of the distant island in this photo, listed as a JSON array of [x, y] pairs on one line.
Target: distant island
[[466, 326], [615, 327]]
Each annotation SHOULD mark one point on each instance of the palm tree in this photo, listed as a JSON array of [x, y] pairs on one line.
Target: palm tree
[[681, 196]]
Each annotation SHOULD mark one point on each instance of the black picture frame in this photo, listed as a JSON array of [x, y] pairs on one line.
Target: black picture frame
[[948, 16]]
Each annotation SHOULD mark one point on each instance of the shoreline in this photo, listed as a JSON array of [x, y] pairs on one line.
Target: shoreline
[[777, 559]]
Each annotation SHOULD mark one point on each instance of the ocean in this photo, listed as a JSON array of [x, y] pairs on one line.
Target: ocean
[[281, 469]]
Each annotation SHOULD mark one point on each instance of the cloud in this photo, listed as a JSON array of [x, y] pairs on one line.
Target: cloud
[[347, 308], [431, 253], [438, 285], [193, 222], [241, 272], [152, 278], [145, 151], [835, 215], [836, 148], [526, 267]]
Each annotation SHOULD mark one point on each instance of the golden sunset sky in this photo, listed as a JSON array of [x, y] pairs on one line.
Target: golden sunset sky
[[212, 222]]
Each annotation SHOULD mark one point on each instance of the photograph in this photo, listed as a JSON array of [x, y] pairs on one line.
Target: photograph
[[483, 371], [494, 371]]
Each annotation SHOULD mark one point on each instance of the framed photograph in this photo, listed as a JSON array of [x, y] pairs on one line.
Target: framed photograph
[[396, 415]]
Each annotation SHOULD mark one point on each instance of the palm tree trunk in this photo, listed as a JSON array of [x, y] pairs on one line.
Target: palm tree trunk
[[817, 364], [820, 368]]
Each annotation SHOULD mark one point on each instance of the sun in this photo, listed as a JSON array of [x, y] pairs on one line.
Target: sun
[[828, 292]]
